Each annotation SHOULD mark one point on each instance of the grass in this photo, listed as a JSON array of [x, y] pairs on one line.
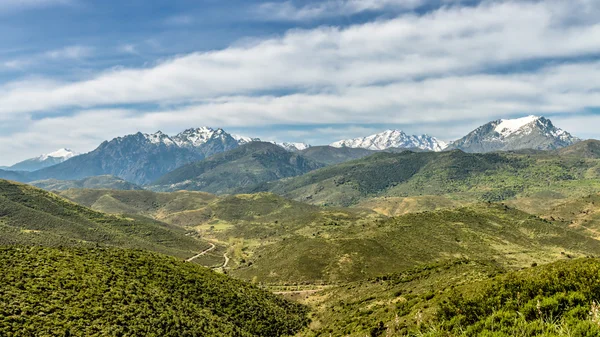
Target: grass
[[35, 217]]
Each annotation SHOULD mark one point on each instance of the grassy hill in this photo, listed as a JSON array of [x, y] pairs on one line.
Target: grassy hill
[[277, 240], [97, 182], [464, 298], [112, 292], [31, 216], [330, 253], [228, 172], [454, 174]]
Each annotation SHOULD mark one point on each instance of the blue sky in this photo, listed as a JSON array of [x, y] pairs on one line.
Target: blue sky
[[76, 72]]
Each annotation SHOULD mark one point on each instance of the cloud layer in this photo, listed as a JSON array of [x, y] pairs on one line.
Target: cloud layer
[[455, 64]]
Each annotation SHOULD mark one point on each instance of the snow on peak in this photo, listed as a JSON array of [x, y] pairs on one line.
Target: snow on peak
[[198, 136], [393, 138], [63, 154], [293, 146], [244, 140], [158, 138], [508, 127]]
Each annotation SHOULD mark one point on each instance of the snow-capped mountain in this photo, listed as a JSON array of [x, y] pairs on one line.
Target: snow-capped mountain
[[531, 132], [245, 140], [43, 161], [393, 139]]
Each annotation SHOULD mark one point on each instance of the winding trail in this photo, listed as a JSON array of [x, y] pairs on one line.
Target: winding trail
[[226, 260], [204, 252]]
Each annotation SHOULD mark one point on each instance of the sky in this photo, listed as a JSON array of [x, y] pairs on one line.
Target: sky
[[74, 73]]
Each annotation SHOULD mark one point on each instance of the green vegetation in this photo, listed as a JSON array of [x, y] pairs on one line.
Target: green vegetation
[[232, 171], [274, 240], [97, 182], [465, 298], [455, 174], [111, 292], [35, 217]]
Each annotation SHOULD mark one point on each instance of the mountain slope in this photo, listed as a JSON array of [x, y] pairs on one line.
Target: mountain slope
[[330, 155], [136, 158], [43, 161], [347, 251], [246, 166], [393, 139], [98, 182], [467, 176], [142, 158], [31, 216], [111, 292], [585, 149], [530, 132]]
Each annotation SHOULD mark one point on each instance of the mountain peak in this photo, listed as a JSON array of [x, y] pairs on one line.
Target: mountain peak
[[507, 127], [63, 153], [393, 138], [530, 132]]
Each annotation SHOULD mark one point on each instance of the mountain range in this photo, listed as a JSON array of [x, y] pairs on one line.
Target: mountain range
[[393, 139], [143, 158]]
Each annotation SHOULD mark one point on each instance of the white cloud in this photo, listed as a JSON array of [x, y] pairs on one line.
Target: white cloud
[[69, 53], [447, 41], [412, 70]]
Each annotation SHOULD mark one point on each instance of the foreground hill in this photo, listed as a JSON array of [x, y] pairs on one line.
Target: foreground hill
[[474, 177], [248, 165], [464, 298], [98, 182], [110, 292], [31, 216]]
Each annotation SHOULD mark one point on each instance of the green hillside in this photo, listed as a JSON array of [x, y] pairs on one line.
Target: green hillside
[[340, 252], [464, 298], [31, 216], [455, 174], [333, 155], [231, 171], [276, 240], [112, 292], [97, 182]]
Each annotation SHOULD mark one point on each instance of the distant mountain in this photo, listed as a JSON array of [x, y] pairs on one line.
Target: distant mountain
[[530, 132], [138, 158], [393, 139], [290, 146], [333, 155], [586, 149], [12, 175], [98, 182], [43, 161], [248, 165], [293, 147]]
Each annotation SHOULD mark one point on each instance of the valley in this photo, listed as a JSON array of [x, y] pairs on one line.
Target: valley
[[321, 241]]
